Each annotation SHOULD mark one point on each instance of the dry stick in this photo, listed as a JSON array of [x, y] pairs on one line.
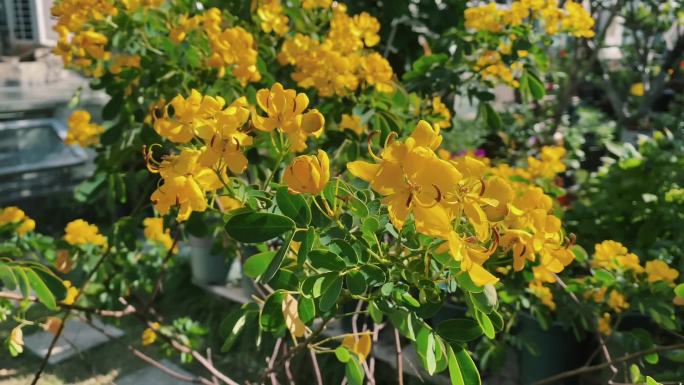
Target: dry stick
[[149, 360], [271, 361], [400, 361], [376, 335], [101, 312], [355, 332], [288, 372], [589, 369], [67, 312], [183, 348], [213, 378], [316, 368], [602, 342]]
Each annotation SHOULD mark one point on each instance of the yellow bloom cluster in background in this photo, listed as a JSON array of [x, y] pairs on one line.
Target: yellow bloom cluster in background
[[338, 64], [573, 18], [81, 131], [272, 19], [491, 67], [154, 232], [446, 194], [440, 110], [79, 232], [17, 218], [353, 123], [74, 14], [233, 50]]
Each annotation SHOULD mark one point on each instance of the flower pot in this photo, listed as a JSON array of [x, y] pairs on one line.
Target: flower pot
[[209, 265], [557, 351]]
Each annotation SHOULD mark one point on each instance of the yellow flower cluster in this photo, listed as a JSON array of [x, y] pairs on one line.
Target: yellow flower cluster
[[124, 61], [272, 18], [286, 111], [549, 164], [232, 48], [81, 131], [445, 194], [17, 218], [135, 4], [659, 271], [73, 14], [311, 4], [353, 123], [543, 293], [573, 19], [491, 67], [154, 232], [80, 232], [84, 49], [612, 255], [338, 64], [442, 111], [71, 293]]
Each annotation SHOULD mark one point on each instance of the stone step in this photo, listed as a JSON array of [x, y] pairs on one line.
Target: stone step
[[153, 376], [77, 337]]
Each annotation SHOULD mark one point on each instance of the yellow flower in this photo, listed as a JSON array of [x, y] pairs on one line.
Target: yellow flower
[[549, 164], [149, 335], [71, 293], [604, 325], [659, 271], [353, 123], [16, 216], [359, 344], [272, 18], [227, 204], [543, 293], [617, 302], [80, 232], [523, 53], [81, 131], [441, 110], [155, 232], [124, 61], [291, 315], [285, 111], [16, 341], [73, 14], [308, 174], [637, 89], [185, 184], [310, 4]]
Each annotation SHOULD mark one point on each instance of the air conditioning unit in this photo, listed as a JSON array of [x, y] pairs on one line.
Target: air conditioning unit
[[30, 22]]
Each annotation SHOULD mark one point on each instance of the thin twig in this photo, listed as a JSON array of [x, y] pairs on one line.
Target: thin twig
[[400, 360], [589, 369], [271, 361], [316, 368]]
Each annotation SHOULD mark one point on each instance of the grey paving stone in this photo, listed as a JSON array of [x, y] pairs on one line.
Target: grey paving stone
[[153, 376], [77, 336]]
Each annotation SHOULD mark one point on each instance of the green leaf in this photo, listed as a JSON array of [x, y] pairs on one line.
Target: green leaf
[[342, 354], [354, 371], [257, 264], [466, 283], [253, 227], [485, 324], [487, 300], [468, 369], [375, 313], [305, 246], [271, 317], [235, 322], [652, 358], [294, 206], [330, 291], [425, 347], [459, 330], [306, 308], [604, 276], [651, 381], [536, 86], [344, 249], [679, 290], [277, 260], [490, 116], [7, 277], [324, 259], [454, 368], [40, 288], [356, 282]]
